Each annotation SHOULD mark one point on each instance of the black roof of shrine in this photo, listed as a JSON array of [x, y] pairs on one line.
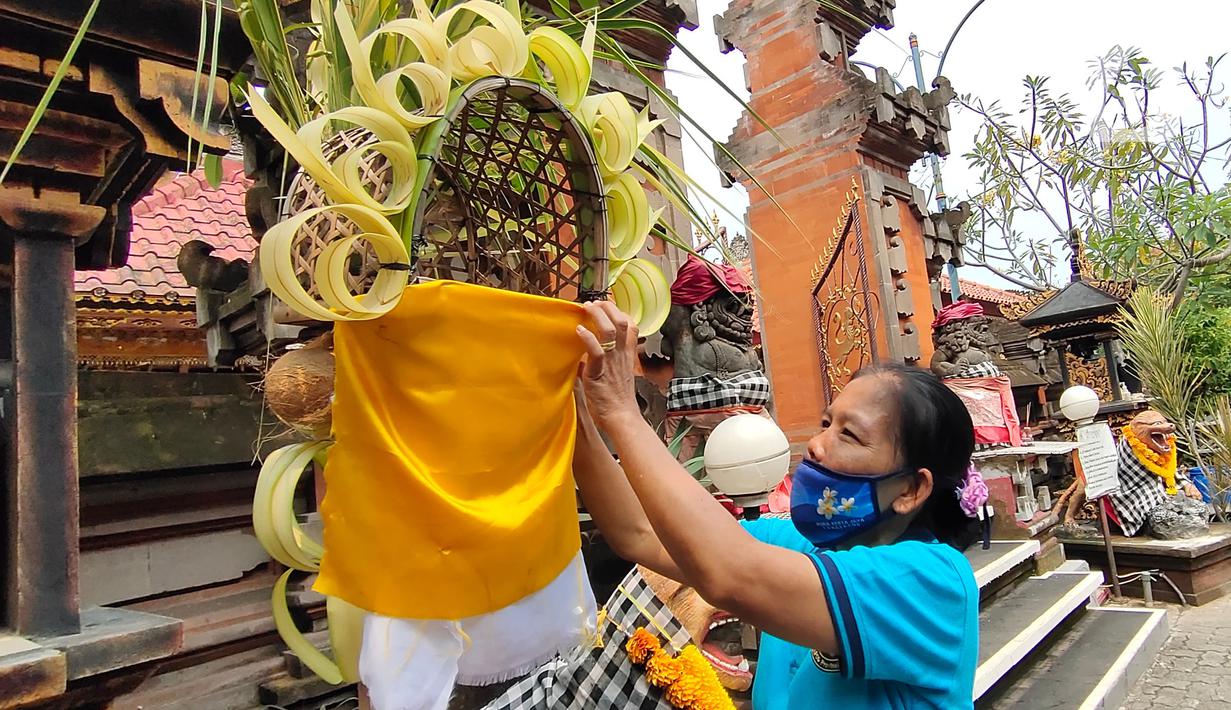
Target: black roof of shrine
[[1078, 301]]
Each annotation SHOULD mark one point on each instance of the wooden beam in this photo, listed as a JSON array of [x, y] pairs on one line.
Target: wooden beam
[[40, 219], [148, 28], [175, 88]]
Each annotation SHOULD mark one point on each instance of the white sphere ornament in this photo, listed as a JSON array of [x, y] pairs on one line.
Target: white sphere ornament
[[746, 456], [1079, 403]]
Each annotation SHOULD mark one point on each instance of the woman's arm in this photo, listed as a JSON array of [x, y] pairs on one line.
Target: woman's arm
[[612, 503], [774, 589]]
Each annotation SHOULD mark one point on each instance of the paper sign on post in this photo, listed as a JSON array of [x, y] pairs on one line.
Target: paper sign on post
[[1097, 460]]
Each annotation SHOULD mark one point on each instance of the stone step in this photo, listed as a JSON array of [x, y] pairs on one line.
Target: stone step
[[1018, 621], [115, 639], [1091, 665], [1001, 560]]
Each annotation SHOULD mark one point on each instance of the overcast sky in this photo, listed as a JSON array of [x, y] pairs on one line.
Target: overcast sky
[[1004, 41]]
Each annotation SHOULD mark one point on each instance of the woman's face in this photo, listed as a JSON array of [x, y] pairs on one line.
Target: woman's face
[[858, 431]]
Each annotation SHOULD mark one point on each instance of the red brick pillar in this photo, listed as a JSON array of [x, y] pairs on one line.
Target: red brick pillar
[[839, 135]]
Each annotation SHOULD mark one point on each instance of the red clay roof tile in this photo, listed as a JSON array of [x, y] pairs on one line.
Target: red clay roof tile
[[177, 211], [976, 291]]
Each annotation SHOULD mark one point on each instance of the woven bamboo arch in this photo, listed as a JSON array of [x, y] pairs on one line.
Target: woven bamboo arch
[[526, 182], [512, 198]]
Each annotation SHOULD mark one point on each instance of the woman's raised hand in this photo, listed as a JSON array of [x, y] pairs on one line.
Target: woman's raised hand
[[610, 365]]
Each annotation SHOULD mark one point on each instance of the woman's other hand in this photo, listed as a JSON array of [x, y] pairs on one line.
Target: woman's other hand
[[607, 376]]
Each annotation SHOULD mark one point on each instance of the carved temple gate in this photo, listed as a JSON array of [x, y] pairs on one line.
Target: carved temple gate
[[844, 305]]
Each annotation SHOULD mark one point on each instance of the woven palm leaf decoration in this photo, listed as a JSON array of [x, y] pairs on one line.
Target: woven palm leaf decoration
[[519, 182], [466, 149]]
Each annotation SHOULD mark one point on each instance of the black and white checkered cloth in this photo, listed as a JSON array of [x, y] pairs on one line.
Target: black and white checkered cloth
[[983, 369], [1140, 491], [708, 391], [603, 678]]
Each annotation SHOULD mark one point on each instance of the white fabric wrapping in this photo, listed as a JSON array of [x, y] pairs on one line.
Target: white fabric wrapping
[[413, 664]]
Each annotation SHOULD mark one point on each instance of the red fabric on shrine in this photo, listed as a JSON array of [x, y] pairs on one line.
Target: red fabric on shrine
[[957, 311], [780, 497], [990, 403], [1110, 509], [698, 281]]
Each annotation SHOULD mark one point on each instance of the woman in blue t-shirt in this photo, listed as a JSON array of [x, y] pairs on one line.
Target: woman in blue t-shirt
[[863, 597]]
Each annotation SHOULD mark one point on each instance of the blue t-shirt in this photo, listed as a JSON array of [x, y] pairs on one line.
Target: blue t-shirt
[[906, 617]]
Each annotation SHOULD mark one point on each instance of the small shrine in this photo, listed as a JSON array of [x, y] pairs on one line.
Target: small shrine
[[1032, 368], [964, 357], [1078, 323]]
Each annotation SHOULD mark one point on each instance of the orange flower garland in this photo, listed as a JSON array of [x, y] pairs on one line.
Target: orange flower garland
[[688, 681], [1161, 465], [641, 646]]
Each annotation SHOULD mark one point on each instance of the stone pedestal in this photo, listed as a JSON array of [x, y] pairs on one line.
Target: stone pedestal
[[1200, 567]]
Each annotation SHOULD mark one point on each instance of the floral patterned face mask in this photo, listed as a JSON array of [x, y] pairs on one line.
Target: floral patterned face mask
[[828, 507]]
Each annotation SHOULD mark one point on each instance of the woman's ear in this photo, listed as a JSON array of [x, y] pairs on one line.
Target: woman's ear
[[918, 490]]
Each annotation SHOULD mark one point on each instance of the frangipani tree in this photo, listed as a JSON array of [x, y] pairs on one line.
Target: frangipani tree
[[1145, 187]]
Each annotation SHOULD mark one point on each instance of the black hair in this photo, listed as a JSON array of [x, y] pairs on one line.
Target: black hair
[[934, 432]]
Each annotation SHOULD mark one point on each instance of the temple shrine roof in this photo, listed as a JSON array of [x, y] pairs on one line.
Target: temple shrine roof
[[175, 212], [975, 291]]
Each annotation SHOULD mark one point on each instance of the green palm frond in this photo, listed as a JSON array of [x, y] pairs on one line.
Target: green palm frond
[[676, 445], [1215, 431], [1154, 338], [262, 23], [275, 58]]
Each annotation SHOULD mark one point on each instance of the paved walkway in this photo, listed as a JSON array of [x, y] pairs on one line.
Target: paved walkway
[[1194, 668]]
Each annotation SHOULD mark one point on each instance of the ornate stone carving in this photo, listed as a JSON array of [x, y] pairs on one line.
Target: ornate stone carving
[[1154, 496], [944, 234], [963, 340], [712, 337], [717, 371]]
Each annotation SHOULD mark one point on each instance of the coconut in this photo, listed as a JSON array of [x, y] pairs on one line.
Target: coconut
[[299, 388]]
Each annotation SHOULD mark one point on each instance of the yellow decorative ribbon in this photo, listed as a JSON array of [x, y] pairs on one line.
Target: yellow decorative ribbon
[[342, 180], [628, 217], [640, 289], [278, 531], [500, 48], [331, 268], [275, 527], [430, 76], [617, 130], [570, 65]]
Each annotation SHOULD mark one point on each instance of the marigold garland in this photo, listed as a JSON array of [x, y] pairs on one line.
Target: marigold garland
[[641, 646], [688, 681], [1161, 465]]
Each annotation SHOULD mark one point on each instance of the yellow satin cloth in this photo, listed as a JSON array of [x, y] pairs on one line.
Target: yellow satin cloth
[[449, 492]]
